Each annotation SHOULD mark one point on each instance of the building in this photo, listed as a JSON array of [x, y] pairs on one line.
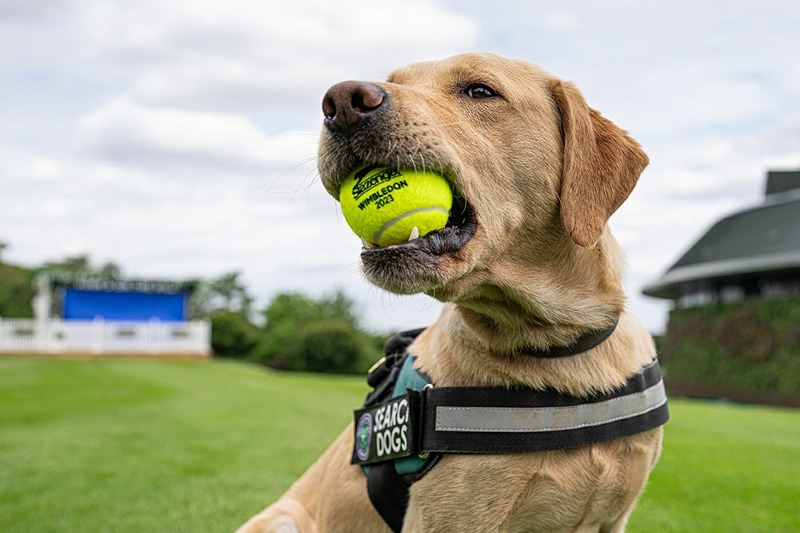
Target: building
[[734, 329], [90, 315], [753, 252]]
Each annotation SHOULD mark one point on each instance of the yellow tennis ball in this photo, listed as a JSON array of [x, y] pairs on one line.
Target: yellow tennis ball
[[384, 205]]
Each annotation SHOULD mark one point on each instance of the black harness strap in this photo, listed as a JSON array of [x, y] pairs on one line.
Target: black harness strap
[[497, 420], [388, 493], [488, 420]]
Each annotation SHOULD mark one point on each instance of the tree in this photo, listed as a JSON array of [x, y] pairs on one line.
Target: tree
[[225, 292], [16, 291], [285, 315], [3, 248], [76, 264], [293, 307], [109, 270], [81, 265]]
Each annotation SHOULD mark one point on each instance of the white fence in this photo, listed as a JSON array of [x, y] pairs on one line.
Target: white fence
[[99, 337]]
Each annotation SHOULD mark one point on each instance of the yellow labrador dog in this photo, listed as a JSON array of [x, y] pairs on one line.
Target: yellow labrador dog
[[525, 264]]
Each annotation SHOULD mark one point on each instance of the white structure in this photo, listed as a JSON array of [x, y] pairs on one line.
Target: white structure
[[100, 316], [100, 337]]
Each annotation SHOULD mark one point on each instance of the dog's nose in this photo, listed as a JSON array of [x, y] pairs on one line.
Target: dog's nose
[[350, 102]]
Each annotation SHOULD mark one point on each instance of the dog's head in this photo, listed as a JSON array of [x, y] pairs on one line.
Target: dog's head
[[536, 172]]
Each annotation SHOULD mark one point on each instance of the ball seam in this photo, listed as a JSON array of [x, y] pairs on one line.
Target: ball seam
[[397, 219]]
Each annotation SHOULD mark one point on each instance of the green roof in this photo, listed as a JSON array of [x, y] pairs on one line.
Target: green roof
[[779, 181], [753, 242]]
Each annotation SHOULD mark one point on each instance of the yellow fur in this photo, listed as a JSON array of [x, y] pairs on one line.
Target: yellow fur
[[543, 172]]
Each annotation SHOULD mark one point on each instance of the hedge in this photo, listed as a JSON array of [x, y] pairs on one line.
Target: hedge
[[751, 346]]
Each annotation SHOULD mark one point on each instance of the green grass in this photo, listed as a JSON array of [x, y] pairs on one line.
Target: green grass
[[131, 445], [128, 445], [725, 467]]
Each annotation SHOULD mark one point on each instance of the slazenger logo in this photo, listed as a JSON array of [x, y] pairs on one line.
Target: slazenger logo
[[391, 431], [365, 181], [363, 436]]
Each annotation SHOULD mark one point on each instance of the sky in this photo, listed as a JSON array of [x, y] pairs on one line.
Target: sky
[[177, 138]]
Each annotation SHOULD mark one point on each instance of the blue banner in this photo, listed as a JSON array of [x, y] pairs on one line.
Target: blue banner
[[80, 304]]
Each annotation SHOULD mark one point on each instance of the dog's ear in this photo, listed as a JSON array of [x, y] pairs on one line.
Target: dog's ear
[[600, 168]]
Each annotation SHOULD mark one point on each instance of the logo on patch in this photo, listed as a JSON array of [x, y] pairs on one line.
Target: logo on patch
[[363, 436]]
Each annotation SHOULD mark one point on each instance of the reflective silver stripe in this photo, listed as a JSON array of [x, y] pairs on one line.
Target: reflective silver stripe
[[534, 419]]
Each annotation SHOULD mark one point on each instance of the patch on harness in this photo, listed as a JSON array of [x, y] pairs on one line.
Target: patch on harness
[[387, 430]]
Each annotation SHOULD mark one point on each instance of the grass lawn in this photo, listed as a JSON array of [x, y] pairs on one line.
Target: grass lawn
[[724, 468], [132, 445], [145, 446]]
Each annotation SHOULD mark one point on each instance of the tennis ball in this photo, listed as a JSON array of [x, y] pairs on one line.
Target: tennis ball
[[386, 206]]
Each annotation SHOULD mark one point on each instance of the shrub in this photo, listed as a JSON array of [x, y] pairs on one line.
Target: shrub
[[328, 345], [752, 345], [275, 347], [232, 335], [332, 346], [316, 335]]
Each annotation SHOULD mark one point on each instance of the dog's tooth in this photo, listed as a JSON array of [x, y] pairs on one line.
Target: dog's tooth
[[367, 244], [414, 233]]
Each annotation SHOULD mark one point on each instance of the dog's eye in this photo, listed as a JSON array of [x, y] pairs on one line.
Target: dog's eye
[[479, 91]]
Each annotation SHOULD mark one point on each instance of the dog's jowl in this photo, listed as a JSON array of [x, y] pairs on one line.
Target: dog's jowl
[[534, 402]]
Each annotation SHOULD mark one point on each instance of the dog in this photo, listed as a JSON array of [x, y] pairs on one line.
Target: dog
[[527, 262]]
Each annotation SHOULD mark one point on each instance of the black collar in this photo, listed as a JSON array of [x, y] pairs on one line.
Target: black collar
[[583, 343]]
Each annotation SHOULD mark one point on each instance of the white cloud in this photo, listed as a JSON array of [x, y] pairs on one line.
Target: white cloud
[[250, 53], [17, 165], [682, 97], [27, 10], [133, 133], [560, 21], [177, 138]]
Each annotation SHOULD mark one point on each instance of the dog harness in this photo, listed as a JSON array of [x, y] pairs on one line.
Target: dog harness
[[407, 423]]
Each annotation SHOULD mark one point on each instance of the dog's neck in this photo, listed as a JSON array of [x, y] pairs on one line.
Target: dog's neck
[[482, 337], [520, 306], [455, 354]]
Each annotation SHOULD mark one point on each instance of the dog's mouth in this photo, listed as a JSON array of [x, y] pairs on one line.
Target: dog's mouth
[[460, 227], [424, 263]]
